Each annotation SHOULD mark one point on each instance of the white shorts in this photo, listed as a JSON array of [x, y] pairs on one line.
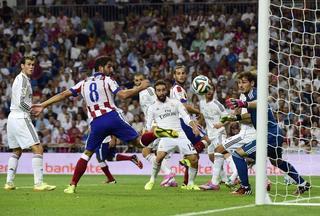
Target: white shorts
[[21, 133], [215, 141], [237, 141], [182, 145]]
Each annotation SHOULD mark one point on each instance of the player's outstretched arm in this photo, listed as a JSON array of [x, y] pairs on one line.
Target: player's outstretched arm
[[195, 128], [36, 109], [230, 118], [127, 93], [191, 109], [233, 103]]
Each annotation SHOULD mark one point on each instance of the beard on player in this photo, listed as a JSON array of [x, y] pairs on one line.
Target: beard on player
[[162, 97]]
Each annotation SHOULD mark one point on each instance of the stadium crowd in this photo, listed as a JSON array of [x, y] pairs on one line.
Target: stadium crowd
[[218, 45]]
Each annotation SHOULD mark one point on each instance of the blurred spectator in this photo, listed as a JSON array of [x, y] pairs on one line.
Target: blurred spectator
[[6, 12], [3, 130], [73, 132], [128, 116], [137, 124]]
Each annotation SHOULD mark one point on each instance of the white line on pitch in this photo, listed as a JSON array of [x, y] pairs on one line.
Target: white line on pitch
[[214, 210], [79, 185]]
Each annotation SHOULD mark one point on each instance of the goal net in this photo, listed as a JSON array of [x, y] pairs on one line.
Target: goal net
[[294, 95]]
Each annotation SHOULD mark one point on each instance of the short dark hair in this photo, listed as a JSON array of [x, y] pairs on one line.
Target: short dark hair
[[248, 75], [25, 58], [101, 61], [178, 66], [160, 82], [140, 74]]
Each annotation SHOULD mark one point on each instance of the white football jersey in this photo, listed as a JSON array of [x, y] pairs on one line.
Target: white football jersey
[[246, 129], [212, 111], [21, 97], [166, 115], [98, 92], [146, 98]]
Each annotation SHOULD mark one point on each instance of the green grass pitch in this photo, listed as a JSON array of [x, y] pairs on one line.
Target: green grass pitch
[[128, 197]]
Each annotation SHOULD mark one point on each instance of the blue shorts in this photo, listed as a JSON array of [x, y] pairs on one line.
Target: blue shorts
[[274, 147], [109, 124], [188, 131], [104, 152]]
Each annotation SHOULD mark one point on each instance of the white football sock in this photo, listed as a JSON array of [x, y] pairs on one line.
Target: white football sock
[[12, 167], [37, 166], [102, 164], [155, 170], [165, 167], [192, 175], [151, 158], [223, 173], [216, 168], [233, 169]]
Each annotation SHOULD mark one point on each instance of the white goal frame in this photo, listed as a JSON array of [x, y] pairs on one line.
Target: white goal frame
[[261, 195], [262, 101]]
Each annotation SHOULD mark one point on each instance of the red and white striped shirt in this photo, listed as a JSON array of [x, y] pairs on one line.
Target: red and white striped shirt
[[98, 92], [177, 92]]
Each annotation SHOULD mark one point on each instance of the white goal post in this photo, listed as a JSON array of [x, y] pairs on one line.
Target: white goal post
[[293, 35], [262, 101]]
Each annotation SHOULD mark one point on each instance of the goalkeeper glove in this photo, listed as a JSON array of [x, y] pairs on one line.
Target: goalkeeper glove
[[236, 103], [226, 118]]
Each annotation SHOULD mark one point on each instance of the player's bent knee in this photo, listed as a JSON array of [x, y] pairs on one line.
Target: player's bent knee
[[17, 152], [159, 159], [160, 156], [193, 160], [136, 142], [88, 153], [37, 149], [241, 153], [211, 157], [146, 152], [275, 162], [220, 149]]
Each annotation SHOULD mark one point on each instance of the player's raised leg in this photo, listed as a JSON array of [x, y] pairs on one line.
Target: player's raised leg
[[149, 137], [133, 158]]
